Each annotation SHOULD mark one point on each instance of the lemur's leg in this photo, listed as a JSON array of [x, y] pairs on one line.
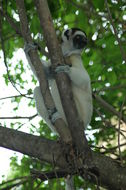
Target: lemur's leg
[[41, 109]]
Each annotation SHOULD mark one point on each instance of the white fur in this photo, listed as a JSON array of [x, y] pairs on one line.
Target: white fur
[[81, 89], [80, 86], [79, 33], [81, 92]]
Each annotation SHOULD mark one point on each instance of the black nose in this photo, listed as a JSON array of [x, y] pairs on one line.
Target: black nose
[[79, 41]]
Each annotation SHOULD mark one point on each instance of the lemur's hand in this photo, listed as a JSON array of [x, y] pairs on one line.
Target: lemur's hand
[[62, 69]]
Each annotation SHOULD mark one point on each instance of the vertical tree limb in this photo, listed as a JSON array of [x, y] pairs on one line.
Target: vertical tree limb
[[60, 126]]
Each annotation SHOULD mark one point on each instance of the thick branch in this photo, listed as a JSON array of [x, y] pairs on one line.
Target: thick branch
[[62, 130], [109, 173], [63, 83], [31, 145]]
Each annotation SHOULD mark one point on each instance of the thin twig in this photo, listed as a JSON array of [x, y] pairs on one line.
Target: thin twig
[[120, 154], [112, 149], [38, 185], [20, 117], [108, 123], [4, 55], [107, 106], [49, 175], [12, 22], [106, 148], [115, 32], [16, 96], [111, 88], [13, 180], [20, 181]]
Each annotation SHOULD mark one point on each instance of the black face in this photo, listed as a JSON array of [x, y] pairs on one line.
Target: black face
[[79, 41]]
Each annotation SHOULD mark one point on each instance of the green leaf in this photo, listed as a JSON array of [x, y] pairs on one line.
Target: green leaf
[[6, 79], [98, 4], [112, 78]]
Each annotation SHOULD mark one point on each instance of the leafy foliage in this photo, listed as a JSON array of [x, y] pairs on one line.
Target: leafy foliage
[[104, 61]]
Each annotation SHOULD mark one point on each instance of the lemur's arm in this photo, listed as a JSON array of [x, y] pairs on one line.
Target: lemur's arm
[[46, 65], [79, 77]]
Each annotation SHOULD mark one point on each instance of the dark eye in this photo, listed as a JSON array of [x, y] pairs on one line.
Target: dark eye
[[79, 41]]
